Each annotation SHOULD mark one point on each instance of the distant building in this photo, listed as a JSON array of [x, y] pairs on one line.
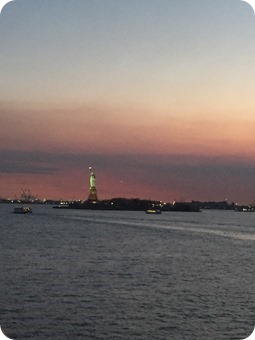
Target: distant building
[[92, 187]]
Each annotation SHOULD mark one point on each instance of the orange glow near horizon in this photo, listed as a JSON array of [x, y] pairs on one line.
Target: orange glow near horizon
[[114, 131]]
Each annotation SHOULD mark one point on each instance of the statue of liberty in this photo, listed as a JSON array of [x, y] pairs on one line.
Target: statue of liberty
[[92, 187], [92, 179]]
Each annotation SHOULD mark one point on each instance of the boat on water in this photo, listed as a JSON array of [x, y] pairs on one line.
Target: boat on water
[[22, 210], [61, 206], [153, 211]]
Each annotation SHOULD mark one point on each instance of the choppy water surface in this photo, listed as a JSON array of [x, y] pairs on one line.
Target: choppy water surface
[[75, 274]]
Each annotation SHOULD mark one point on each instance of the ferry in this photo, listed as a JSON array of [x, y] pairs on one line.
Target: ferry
[[22, 210], [153, 211]]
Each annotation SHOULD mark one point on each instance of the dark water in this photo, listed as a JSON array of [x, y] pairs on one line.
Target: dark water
[[127, 275]]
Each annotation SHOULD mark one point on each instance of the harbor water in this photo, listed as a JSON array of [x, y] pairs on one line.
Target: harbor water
[[80, 274]]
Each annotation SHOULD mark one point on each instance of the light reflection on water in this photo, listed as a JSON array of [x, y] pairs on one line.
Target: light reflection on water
[[127, 275]]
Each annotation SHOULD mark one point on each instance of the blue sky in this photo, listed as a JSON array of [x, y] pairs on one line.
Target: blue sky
[[123, 48]]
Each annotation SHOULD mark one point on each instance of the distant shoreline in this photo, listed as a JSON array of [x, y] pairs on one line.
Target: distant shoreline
[[135, 204]]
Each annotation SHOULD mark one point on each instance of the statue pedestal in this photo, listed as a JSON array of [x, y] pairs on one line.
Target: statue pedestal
[[92, 195]]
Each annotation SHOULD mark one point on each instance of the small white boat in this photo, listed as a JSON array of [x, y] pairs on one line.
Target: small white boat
[[22, 210]]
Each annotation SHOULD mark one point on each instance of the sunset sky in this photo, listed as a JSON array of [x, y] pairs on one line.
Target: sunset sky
[[158, 96]]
